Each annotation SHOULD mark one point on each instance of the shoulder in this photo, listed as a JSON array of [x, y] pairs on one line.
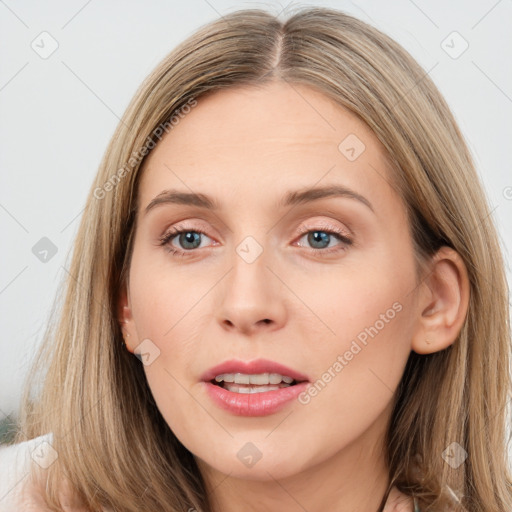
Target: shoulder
[[16, 463]]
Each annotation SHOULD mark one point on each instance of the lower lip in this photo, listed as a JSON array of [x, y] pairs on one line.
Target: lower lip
[[254, 404]]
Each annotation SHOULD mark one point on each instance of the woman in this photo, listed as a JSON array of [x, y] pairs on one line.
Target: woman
[[286, 292]]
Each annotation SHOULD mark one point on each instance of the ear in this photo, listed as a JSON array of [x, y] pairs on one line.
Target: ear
[[442, 303], [124, 315]]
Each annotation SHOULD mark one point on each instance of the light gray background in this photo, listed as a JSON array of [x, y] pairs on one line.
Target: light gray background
[[58, 113]]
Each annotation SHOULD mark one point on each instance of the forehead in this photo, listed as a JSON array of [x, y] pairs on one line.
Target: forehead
[[261, 142]]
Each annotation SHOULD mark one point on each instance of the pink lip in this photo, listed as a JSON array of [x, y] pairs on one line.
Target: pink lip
[[252, 367], [253, 404]]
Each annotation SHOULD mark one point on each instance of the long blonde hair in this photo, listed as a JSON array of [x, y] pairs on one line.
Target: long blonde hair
[[114, 447]]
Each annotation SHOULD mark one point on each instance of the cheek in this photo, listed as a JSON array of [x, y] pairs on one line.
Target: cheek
[[359, 364], [167, 319], [168, 309], [163, 300]]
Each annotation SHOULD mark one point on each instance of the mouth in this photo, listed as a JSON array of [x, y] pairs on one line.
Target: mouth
[[253, 383], [255, 388], [254, 374]]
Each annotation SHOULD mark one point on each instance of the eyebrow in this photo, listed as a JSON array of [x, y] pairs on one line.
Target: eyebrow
[[292, 198]]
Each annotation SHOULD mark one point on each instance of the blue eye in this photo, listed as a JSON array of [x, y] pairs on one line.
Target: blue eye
[[188, 238], [319, 239]]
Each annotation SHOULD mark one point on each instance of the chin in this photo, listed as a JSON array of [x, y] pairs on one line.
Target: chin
[[261, 468]]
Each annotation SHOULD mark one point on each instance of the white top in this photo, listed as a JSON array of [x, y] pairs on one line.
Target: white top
[[15, 463]]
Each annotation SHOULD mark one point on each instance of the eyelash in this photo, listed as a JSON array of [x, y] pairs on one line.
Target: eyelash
[[173, 232]]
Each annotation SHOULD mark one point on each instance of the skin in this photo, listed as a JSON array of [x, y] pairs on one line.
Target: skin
[[247, 147]]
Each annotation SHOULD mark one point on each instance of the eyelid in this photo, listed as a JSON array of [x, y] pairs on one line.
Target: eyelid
[[325, 225], [196, 225], [311, 225]]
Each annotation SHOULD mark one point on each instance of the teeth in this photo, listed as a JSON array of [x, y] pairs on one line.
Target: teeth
[[261, 379], [248, 389], [226, 377]]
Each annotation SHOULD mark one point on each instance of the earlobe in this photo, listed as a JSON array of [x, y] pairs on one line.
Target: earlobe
[[443, 303]]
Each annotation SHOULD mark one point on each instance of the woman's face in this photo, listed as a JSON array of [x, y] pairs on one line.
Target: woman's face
[[280, 272]]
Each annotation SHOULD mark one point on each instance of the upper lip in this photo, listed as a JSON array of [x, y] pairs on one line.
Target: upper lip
[[256, 366]]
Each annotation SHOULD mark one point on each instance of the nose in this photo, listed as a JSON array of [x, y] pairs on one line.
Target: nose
[[252, 298]]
